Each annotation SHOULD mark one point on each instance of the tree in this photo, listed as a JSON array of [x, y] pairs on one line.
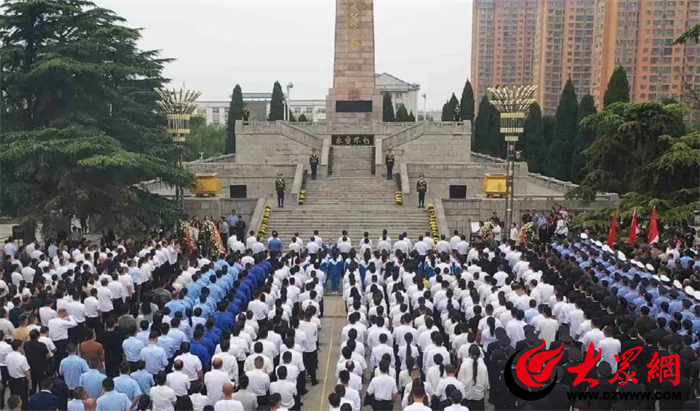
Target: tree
[[618, 88], [402, 114], [276, 103], [584, 139], [291, 117], [302, 118], [559, 156], [486, 129], [454, 105], [692, 33], [209, 140], [235, 113], [637, 154], [411, 117], [82, 118], [446, 112], [548, 123], [388, 109], [467, 103], [532, 143]]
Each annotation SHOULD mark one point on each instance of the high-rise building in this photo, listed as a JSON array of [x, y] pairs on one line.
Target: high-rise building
[[585, 40], [503, 43]]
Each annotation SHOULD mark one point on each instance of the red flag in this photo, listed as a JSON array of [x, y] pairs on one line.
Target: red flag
[[634, 229], [612, 236], [653, 228]]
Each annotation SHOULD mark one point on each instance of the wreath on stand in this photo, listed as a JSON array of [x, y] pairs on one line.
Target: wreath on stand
[[211, 239], [528, 234], [184, 234], [486, 230]]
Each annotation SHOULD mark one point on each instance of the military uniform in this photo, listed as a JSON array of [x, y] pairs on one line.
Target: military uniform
[[280, 186], [313, 162], [421, 187], [389, 161]]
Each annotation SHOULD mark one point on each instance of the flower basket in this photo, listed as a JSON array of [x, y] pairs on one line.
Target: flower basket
[[302, 197], [528, 234], [399, 198]]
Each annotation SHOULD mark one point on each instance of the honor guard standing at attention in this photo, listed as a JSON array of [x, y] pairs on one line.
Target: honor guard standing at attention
[[313, 162], [389, 161], [280, 186], [421, 187]]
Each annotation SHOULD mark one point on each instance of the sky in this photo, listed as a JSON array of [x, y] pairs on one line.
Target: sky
[[217, 44]]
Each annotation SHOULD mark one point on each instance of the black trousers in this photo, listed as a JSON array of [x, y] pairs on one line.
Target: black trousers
[[311, 364], [389, 171], [61, 351], [314, 168], [421, 199], [94, 324], [20, 388], [77, 333], [5, 383], [280, 198], [383, 405], [476, 405]]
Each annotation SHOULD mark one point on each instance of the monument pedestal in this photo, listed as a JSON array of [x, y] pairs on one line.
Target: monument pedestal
[[359, 111]]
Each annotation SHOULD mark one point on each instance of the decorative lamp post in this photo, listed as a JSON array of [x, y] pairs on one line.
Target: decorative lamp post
[[513, 104], [178, 106], [288, 100]]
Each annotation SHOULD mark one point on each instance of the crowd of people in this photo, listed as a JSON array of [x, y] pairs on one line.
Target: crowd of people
[[430, 325]]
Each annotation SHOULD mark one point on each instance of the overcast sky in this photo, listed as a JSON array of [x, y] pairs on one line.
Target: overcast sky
[[217, 44]]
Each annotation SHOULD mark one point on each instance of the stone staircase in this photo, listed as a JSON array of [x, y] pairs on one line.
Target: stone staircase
[[350, 199]]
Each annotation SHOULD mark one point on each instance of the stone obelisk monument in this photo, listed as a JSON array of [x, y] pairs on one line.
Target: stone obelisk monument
[[354, 97]]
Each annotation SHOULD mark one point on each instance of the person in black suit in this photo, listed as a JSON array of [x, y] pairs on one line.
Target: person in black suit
[[37, 354], [44, 400]]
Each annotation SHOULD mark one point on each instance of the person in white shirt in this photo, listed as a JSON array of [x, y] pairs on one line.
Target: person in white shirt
[[58, 332], [178, 380], [593, 336], [18, 371], [258, 381], [215, 380], [463, 247], [474, 374], [228, 402], [547, 327], [383, 388], [163, 398], [286, 389], [419, 397], [609, 347], [199, 400], [105, 297]]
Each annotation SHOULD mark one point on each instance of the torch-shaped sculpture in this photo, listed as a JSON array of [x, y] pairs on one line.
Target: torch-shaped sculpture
[[178, 106], [512, 103]]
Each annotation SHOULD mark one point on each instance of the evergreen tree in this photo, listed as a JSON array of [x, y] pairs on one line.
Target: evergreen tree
[[532, 143], [584, 139], [559, 156], [467, 104], [548, 123], [618, 88], [276, 103], [402, 114], [411, 117], [302, 118], [487, 129], [388, 109], [235, 113], [446, 112], [455, 110], [291, 117]]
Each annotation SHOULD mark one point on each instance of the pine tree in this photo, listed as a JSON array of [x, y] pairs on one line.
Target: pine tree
[[446, 112], [235, 113], [559, 156], [467, 104], [302, 118], [584, 139], [402, 114], [486, 129], [388, 109], [276, 103], [532, 143], [411, 117], [455, 110], [618, 88]]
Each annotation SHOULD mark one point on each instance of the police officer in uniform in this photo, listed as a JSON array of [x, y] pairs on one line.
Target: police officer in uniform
[[389, 161], [313, 162], [280, 186], [421, 187]]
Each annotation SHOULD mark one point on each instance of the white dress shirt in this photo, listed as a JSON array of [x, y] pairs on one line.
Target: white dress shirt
[[17, 364], [163, 398], [58, 328], [383, 387], [215, 380], [228, 405], [191, 365], [259, 382], [179, 382], [92, 307]]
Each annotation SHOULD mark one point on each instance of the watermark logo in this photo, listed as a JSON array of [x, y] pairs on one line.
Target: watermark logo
[[533, 370]]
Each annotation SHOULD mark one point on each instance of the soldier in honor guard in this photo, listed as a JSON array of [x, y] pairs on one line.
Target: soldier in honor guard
[[389, 161], [280, 187], [422, 188], [313, 162]]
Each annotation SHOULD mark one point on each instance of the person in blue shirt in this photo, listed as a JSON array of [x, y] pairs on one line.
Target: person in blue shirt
[[91, 381], [175, 305], [176, 333], [112, 400], [155, 357], [143, 378], [275, 244], [215, 291], [167, 342], [194, 288], [202, 304], [224, 318], [212, 333], [199, 348], [127, 385], [72, 367], [78, 401], [144, 333], [132, 347]]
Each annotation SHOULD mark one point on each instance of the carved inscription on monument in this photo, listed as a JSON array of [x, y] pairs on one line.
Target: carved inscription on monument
[[354, 23]]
